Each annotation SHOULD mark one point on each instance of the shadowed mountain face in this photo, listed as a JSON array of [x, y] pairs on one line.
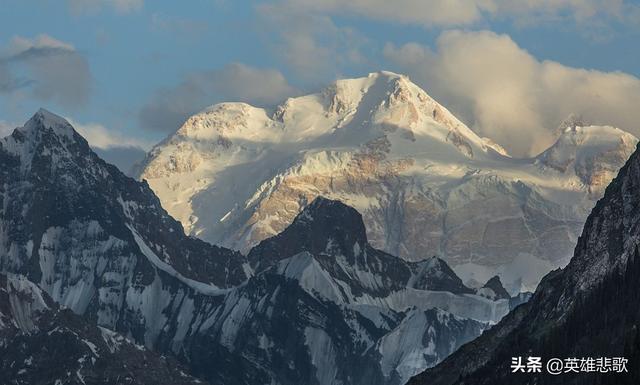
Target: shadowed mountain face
[[328, 228], [352, 313], [98, 242], [316, 304], [56, 191], [40, 343], [494, 289], [591, 308]]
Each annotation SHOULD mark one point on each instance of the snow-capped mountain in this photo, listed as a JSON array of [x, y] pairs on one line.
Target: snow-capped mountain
[[40, 343], [98, 242], [425, 183], [316, 304], [588, 309]]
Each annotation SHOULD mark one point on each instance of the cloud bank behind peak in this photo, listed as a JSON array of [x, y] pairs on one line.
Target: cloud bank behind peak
[[505, 93]]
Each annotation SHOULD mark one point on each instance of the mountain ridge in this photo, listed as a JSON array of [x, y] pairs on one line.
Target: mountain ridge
[[424, 182], [559, 320]]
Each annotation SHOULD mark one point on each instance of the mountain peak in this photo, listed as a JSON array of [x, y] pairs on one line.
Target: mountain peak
[[44, 126], [391, 104], [434, 273], [495, 285], [589, 137], [334, 215], [231, 121], [593, 153], [45, 119], [571, 123], [388, 74], [43, 113], [324, 226], [47, 139]]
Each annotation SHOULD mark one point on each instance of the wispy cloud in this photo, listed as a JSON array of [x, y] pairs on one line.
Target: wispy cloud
[[311, 44], [104, 138], [169, 107], [47, 68], [449, 13], [79, 7]]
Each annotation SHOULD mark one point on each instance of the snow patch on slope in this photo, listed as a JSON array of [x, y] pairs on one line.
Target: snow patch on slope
[[200, 287]]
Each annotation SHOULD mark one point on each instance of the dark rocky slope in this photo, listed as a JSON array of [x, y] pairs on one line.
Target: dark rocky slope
[[40, 343], [322, 306], [591, 308]]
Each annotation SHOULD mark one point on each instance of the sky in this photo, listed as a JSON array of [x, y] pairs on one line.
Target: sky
[[127, 73]]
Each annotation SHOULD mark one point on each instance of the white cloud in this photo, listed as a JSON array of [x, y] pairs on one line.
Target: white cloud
[[92, 6], [169, 107], [101, 137], [241, 82], [19, 44], [505, 93], [309, 42], [307, 38], [428, 13], [48, 68], [435, 13], [577, 10], [117, 148]]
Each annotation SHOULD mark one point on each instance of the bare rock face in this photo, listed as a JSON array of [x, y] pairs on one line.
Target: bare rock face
[[41, 343], [424, 182]]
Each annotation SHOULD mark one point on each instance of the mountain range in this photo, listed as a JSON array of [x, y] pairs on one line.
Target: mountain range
[[95, 270], [374, 232], [425, 183], [42, 343]]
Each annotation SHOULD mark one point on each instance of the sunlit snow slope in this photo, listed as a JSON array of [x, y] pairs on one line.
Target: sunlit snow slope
[[425, 183]]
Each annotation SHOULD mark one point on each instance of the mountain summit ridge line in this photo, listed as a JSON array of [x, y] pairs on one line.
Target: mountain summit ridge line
[[425, 183]]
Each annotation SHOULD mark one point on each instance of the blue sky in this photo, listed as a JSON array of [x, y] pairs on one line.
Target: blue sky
[[128, 71]]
